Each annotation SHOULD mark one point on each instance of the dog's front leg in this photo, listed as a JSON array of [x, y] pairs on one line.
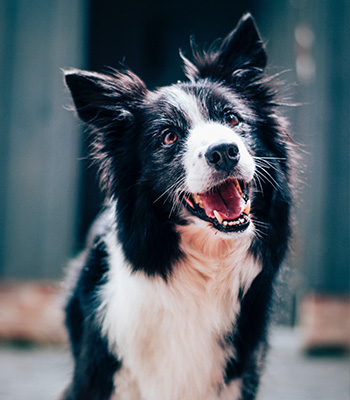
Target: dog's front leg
[[93, 372]]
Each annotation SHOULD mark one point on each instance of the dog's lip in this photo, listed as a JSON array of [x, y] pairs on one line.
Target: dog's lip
[[226, 206]]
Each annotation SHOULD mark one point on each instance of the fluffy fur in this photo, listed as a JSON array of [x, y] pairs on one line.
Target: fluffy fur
[[170, 298]]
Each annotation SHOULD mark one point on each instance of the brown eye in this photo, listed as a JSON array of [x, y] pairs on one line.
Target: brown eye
[[231, 119], [169, 138]]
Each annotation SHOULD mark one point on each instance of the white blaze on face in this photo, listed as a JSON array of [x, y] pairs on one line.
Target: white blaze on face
[[199, 174], [187, 103]]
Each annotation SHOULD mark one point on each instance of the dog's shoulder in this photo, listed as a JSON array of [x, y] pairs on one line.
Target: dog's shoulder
[[89, 269]]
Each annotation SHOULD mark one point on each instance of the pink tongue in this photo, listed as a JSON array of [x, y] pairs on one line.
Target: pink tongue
[[225, 199]]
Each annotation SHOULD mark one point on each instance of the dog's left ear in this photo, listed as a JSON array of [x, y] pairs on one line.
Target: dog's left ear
[[242, 49]]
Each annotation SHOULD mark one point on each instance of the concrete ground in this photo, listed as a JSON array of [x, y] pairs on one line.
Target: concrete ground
[[41, 373]]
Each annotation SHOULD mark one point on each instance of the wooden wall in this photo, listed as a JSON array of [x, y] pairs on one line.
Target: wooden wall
[[39, 139]]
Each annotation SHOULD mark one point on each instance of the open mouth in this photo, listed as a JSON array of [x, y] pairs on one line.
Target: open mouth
[[226, 206]]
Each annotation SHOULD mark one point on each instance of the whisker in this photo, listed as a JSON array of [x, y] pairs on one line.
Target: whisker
[[259, 234], [264, 175], [268, 163], [177, 204], [269, 158], [257, 179], [263, 164], [260, 228], [169, 189], [177, 201], [260, 223], [173, 195]]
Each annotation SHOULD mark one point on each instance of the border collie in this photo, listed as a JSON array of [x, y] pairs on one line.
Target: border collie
[[169, 300]]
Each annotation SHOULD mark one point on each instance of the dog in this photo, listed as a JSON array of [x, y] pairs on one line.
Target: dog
[[170, 298]]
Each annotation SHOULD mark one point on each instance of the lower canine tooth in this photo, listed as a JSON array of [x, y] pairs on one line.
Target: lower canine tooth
[[218, 216]]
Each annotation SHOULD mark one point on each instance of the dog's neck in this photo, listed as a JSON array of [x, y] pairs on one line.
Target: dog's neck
[[210, 244], [212, 264]]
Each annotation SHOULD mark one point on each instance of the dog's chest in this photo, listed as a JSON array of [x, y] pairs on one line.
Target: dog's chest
[[170, 336]]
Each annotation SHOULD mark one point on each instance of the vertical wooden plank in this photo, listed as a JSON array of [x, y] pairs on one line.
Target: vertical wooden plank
[[324, 122], [7, 31], [311, 39], [43, 143], [336, 184]]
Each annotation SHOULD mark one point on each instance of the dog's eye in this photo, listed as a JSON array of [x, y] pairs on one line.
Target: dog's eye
[[170, 137], [231, 119]]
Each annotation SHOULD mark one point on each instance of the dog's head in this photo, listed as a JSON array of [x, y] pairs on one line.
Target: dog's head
[[208, 151]]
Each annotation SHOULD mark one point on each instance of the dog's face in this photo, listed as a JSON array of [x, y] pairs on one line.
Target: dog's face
[[197, 153], [209, 151]]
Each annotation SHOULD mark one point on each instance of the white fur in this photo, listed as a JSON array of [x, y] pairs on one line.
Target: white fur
[[186, 102], [199, 175], [168, 334]]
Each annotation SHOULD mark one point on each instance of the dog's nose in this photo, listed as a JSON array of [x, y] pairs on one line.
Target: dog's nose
[[223, 156]]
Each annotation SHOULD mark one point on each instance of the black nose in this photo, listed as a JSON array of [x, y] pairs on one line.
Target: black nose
[[223, 156]]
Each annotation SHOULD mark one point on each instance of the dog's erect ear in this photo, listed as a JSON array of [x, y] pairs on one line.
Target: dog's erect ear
[[242, 49], [102, 100]]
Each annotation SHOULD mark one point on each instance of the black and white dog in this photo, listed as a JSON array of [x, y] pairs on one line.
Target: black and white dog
[[170, 298]]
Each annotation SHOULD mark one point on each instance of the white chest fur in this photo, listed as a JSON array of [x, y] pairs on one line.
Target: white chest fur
[[167, 334]]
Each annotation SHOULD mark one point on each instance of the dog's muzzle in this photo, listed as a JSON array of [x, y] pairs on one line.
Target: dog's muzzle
[[225, 168]]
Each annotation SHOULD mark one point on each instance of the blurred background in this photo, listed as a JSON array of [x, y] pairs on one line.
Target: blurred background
[[49, 193]]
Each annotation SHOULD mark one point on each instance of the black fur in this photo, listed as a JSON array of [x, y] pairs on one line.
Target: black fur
[[95, 366], [127, 128]]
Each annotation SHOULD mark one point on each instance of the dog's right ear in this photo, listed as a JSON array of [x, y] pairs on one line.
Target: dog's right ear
[[103, 100], [242, 50]]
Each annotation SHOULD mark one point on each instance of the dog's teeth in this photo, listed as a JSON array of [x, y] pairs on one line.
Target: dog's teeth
[[238, 187], [225, 223], [246, 210], [189, 201], [197, 198], [218, 216]]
